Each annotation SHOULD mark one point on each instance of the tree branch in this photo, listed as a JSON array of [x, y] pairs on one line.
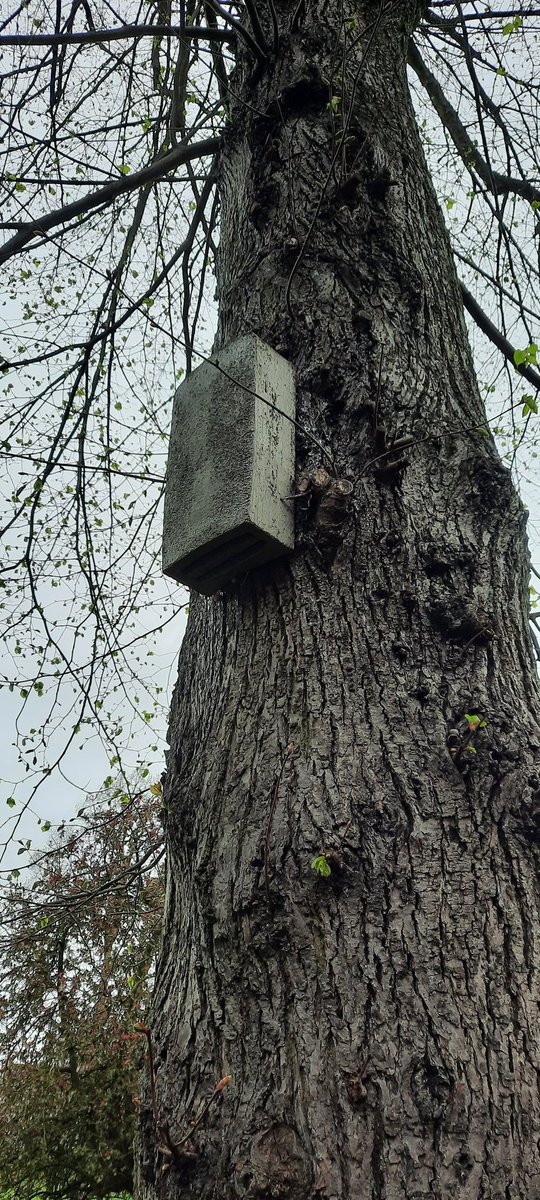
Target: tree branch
[[488, 15], [256, 25], [92, 37], [495, 182], [486, 325], [118, 187], [244, 33]]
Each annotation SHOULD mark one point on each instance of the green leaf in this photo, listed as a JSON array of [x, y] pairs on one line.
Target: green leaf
[[124, 169], [321, 866], [512, 26], [526, 357], [10, 803], [530, 405]]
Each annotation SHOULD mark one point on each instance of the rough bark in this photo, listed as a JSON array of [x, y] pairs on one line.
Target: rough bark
[[380, 1024]]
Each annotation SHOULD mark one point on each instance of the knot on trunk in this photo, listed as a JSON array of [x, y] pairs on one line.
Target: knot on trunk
[[278, 1166], [432, 1090]]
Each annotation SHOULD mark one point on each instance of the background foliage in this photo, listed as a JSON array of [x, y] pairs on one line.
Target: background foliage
[[78, 947]]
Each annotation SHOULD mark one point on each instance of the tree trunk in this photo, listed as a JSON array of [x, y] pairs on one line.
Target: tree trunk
[[379, 1022]]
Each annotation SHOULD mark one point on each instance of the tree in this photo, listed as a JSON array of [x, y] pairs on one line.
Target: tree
[[78, 952], [372, 702], [352, 787]]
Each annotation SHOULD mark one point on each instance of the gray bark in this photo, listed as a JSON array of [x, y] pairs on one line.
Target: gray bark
[[380, 1024]]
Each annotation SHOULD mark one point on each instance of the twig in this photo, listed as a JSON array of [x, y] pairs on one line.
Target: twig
[[152, 173], [241, 30], [275, 26], [166, 1146], [139, 1028], [219, 1088], [333, 160], [467, 741], [256, 25], [378, 396]]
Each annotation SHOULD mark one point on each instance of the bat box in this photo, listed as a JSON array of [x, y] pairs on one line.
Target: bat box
[[230, 469]]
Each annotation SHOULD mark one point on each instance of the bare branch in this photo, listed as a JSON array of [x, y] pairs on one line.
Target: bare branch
[[118, 187], [486, 325], [256, 25], [95, 36], [496, 182], [244, 33], [489, 15]]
